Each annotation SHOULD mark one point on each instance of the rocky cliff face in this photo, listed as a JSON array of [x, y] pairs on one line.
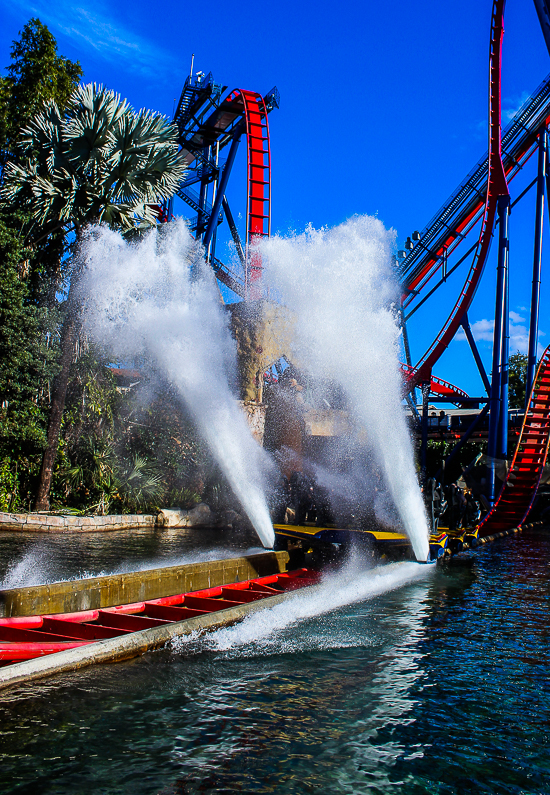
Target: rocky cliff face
[[263, 331]]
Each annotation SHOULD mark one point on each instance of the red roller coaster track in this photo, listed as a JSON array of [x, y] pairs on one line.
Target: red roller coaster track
[[520, 487], [496, 187], [258, 211], [438, 386], [27, 637]]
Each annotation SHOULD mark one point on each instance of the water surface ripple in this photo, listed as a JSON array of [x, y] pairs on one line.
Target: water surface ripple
[[439, 686]]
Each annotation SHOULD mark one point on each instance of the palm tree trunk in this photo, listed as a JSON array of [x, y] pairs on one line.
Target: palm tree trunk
[[59, 394]]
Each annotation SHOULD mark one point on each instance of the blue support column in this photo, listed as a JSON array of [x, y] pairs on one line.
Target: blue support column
[[211, 246], [425, 388], [502, 449], [202, 194], [547, 173], [413, 409], [234, 231], [213, 222], [537, 263], [496, 381], [406, 346]]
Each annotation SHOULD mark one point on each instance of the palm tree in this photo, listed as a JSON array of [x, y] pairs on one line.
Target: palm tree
[[97, 161]]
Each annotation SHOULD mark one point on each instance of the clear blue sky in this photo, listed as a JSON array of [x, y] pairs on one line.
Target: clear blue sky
[[383, 107]]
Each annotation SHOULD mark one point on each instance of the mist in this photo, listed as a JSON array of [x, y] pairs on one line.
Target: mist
[[340, 285], [157, 298]]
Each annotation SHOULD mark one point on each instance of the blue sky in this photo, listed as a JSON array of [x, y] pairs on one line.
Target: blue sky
[[383, 109]]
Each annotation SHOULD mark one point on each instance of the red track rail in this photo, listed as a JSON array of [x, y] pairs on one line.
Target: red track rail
[[496, 187], [437, 385], [258, 215], [521, 484], [26, 637]]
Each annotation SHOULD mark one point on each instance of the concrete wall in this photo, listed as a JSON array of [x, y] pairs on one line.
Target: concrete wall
[[117, 589], [44, 523]]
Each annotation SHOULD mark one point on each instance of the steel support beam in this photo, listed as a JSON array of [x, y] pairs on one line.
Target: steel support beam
[[472, 343], [537, 264], [407, 347], [425, 387], [405, 338], [211, 249], [502, 449], [496, 375], [202, 197], [414, 410], [212, 223], [234, 231]]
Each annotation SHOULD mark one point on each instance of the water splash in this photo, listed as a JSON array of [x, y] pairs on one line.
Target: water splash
[[23, 571], [157, 298], [41, 565], [341, 287], [260, 633]]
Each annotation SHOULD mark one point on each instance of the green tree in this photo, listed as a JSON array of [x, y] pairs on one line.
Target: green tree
[[27, 363], [517, 380], [36, 74], [28, 314], [96, 161]]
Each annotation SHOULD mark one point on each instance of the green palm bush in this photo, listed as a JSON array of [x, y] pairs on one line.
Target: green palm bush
[[98, 474]]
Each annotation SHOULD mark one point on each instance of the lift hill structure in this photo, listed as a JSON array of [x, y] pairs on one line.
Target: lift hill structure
[[209, 121]]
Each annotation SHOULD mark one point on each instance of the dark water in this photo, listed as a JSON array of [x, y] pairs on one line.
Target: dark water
[[440, 685]]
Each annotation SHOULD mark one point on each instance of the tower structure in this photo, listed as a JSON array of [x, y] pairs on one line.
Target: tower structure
[[212, 124]]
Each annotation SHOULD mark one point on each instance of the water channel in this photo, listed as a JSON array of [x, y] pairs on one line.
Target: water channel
[[438, 686]]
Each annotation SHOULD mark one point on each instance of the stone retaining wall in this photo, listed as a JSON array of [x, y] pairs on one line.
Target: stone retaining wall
[[44, 523]]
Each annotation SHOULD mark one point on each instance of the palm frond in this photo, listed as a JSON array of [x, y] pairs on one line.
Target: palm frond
[[99, 161]]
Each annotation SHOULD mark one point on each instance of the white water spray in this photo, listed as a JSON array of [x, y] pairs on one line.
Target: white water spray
[[261, 631], [157, 298], [340, 285]]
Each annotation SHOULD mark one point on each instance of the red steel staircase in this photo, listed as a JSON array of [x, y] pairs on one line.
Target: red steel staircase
[[520, 487]]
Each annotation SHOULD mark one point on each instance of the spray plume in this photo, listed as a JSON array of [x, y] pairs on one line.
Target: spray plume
[[157, 298], [340, 285], [274, 630]]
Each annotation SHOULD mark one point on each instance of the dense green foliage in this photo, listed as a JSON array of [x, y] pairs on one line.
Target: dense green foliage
[[36, 74], [517, 380], [28, 315], [27, 362], [125, 451], [72, 155], [438, 450]]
